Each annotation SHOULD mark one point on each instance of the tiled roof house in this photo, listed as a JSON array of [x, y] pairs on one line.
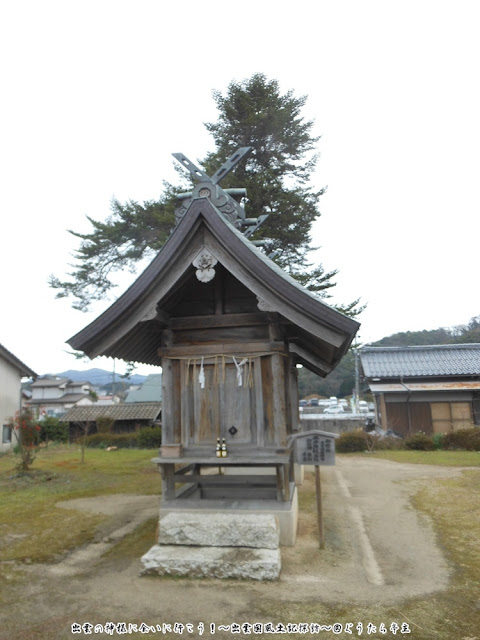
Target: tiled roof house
[[126, 417], [432, 388], [54, 395]]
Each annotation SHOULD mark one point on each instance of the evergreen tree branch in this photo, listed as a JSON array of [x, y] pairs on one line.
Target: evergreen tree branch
[[132, 232], [277, 176]]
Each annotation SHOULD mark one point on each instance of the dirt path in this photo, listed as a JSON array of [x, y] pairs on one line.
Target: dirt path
[[379, 549]]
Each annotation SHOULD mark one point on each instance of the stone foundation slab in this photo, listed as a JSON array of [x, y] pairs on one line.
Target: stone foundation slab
[[212, 562], [285, 512], [254, 530]]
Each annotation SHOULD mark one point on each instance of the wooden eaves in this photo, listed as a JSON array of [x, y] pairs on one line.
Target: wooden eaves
[[318, 336]]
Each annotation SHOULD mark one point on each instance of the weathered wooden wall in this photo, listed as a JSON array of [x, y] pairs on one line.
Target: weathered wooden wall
[[213, 323]]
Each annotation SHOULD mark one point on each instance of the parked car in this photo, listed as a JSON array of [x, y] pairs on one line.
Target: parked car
[[335, 409], [302, 403], [313, 402]]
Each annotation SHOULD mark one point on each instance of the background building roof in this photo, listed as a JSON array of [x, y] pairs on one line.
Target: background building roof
[[150, 391], [67, 398], [15, 362], [430, 360], [132, 411], [48, 381]]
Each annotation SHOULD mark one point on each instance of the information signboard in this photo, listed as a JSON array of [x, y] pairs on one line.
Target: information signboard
[[315, 447]]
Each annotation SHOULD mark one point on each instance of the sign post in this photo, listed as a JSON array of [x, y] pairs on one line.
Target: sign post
[[318, 493], [316, 448]]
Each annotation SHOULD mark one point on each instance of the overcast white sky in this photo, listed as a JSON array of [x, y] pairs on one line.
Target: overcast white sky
[[96, 95]]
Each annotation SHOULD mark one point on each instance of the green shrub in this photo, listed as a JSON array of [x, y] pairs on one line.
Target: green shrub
[[354, 441], [149, 437], [146, 438], [468, 439], [388, 443], [351, 441], [105, 424], [474, 439], [120, 440], [438, 441], [53, 430], [419, 442]]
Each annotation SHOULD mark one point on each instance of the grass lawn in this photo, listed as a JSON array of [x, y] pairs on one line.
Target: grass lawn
[[32, 530], [443, 458]]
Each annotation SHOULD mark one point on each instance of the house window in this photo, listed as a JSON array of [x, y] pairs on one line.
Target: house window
[[6, 434], [451, 416]]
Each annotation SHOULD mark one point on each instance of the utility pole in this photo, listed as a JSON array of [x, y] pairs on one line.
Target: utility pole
[[357, 380], [113, 379]]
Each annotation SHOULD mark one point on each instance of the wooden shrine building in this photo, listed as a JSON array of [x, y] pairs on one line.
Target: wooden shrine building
[[228, 328]]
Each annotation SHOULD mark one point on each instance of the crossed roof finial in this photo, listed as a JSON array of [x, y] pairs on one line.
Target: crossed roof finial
[[208, 187]]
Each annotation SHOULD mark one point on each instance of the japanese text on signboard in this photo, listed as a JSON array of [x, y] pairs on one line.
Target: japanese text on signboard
[[315, 449]]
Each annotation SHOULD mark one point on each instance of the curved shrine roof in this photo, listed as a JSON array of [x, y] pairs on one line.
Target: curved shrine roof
[[130, 328]]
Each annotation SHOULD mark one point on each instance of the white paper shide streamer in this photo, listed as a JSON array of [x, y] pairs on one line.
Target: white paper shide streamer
[[239, 366], [201, 376]]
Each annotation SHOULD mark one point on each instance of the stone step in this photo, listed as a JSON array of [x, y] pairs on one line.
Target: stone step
[[253, 530], [212, 562]]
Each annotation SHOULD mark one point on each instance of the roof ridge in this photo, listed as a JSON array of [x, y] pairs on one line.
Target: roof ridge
[[16, 362], [419, 347], [428, 360]]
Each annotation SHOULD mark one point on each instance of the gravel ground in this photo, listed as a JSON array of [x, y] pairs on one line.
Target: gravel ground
[[379, 549]]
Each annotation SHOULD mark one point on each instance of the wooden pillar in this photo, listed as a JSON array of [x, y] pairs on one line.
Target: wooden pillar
[[383, 412], [318, 491], [293, 397], [168, 482], [279, 408], [167, 402], [259, 436], [286, 482], [278, 474], [171, 395]]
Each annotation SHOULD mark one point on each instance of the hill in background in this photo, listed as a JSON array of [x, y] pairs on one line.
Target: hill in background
[[341, 381], [100, 377], [464, 333]]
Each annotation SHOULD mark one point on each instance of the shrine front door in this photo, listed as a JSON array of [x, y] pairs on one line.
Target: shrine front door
[[220, 401]]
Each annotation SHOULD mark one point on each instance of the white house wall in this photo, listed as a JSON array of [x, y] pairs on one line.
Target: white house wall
[[10, 390], [47, 393], [79, 388]]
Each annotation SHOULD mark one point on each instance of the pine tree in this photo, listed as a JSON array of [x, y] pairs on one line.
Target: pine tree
[[277, 176], [132, 232]]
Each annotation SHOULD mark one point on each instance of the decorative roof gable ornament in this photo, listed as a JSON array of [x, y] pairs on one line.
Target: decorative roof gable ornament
[[204, 264], [264, 306], [208, 187]]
